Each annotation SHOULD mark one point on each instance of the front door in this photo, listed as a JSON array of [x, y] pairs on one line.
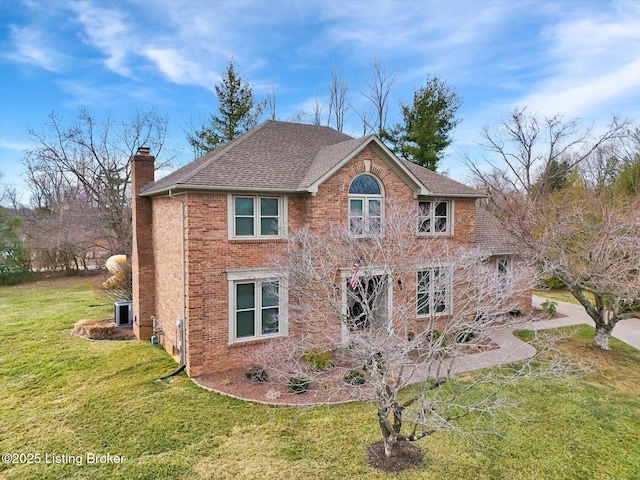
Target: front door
[[367, 303]]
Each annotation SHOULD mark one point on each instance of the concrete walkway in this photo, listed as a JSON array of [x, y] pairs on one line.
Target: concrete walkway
[[626, 330], [511, 349]]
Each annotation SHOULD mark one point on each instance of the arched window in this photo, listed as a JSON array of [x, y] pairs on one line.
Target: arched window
[[365, 205]]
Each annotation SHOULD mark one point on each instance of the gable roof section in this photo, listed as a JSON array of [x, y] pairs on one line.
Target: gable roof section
[[331, 159], [439, 184], [290, 157], [492, 237], [273, 156]]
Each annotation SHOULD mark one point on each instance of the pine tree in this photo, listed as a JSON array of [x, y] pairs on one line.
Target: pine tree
[[238, 112]]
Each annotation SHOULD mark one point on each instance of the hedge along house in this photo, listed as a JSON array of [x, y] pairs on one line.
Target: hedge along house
[[204, 234]]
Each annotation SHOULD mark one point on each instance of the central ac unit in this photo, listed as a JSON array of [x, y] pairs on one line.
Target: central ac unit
[[123, 314]]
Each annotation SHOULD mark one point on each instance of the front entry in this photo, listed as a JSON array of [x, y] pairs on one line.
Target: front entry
[[367, 303]]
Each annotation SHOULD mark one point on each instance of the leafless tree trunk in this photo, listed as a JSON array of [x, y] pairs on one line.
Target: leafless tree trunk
[[338, 100], [379, 83], [271, 101], [92, 158], [313, 117], [525, 147], [412, 310]]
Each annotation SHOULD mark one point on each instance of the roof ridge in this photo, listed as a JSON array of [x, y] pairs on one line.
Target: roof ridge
[[305, 181], [226, 148]]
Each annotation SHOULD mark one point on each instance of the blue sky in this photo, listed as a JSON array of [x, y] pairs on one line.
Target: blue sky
[[577, 58]]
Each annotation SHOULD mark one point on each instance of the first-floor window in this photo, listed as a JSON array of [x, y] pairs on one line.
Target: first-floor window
[[257, 309], [434, 291], [503, 265]]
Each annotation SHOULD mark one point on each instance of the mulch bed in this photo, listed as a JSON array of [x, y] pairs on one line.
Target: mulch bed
[[327, 388], [322, 391], [102, 330], [408, 456]]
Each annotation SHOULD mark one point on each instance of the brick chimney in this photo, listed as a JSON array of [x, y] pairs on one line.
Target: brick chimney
[[143, 266]]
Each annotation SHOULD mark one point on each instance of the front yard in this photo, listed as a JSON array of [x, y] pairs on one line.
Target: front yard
[[67, 403]]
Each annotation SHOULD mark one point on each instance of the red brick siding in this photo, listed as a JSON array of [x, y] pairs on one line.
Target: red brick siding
[[167, 245], [210, 254]]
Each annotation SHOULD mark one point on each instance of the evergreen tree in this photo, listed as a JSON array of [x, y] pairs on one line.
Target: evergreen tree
[[425, 130], [238, 112]]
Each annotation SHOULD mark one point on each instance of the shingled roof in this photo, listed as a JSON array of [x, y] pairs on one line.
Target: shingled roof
[[492, 237], [291, 157]]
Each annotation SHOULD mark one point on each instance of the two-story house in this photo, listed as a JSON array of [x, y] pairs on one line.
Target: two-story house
[[203, 234]]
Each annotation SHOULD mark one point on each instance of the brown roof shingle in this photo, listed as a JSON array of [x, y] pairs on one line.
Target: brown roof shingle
[[492, 237], [285, 157]]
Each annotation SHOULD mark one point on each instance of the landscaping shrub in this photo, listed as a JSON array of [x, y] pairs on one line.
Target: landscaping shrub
[[354, 378], [433, 336], [257, 374], [465, 336], [298, 385], [319, 361], [549, 307]]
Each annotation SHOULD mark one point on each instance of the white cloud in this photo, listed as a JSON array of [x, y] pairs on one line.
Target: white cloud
[[574, 97], [593, 62], [14, 146], [179, 69], [32, 47], [107, 30]]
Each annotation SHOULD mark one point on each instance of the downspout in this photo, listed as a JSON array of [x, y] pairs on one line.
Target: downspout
[[181, 333]]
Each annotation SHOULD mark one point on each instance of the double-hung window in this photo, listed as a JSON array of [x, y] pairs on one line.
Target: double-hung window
[[256, 216], [434, 291], [257, 307], [365, 206], [434, 217]]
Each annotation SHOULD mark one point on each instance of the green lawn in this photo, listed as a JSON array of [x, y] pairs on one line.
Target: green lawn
[[560, 295], [62, 395]]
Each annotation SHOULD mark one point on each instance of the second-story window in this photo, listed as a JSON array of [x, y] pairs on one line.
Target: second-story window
[[365, 206], [256, 217], [434, 217]]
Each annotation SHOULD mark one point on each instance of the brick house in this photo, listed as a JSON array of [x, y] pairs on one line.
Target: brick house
[[202, 234]]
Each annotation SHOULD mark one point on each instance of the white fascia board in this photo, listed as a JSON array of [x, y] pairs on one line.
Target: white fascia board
[[386, 156]]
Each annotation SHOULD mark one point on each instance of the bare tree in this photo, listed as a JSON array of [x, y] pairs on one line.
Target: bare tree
[[525, 147], [407, 311], [90, 158], [366, 116], [270, 102], [379, 83], [591, 244], [312, 117], [338, 100]]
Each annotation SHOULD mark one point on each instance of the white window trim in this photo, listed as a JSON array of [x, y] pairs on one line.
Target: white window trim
[[365, 207], [283, 214], [449, 232], [257, 275], [449, 300], [345, 275]]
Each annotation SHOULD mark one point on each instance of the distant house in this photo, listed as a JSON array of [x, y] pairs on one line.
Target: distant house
[[203, 234]]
